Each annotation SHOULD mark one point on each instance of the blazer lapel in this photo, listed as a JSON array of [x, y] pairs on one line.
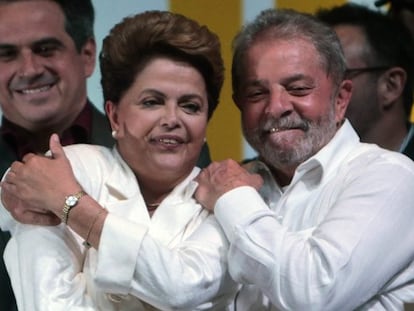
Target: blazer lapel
[[174, 217], [122, 187]]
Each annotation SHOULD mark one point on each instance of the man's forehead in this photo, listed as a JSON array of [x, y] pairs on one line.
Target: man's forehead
[[31, 23]]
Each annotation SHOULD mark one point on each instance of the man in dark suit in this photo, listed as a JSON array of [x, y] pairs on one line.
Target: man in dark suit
[[379, 54], [47, 51]]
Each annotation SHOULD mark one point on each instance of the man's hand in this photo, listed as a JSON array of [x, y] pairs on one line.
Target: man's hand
[[26, 215], [221, 177], [33, 190]]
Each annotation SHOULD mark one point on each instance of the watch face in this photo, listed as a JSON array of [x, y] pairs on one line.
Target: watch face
[[71, 200]]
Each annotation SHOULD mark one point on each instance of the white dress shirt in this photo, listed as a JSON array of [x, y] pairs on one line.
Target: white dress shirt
[[175, 260], [340, 236]]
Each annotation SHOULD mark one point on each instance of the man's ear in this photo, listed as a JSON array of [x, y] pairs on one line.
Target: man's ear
[[342, 100], [391, 86], [88, 54]]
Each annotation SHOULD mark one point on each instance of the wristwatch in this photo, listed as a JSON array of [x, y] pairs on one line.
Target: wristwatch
[[70, 202]]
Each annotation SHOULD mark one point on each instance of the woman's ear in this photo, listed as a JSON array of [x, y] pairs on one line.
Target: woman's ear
[[111, 112], [342, 100], [391, 86]]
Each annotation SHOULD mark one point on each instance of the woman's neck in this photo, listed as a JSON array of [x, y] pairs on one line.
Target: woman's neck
[[155, 189]]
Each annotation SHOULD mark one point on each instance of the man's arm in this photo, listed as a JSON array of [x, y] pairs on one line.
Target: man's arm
[[368, 227]]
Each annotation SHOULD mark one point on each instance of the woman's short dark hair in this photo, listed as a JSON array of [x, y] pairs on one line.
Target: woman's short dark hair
[[139, 38]]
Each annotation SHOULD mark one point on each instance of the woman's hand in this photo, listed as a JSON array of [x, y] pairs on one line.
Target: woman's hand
[[34, 190]]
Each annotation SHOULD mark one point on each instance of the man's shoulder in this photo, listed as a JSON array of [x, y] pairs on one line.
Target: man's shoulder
[[101, 130], [367, 156]]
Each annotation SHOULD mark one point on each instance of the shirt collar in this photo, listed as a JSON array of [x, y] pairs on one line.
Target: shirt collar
[[80, 130], [20, 140], [324, 163], [327, 160]]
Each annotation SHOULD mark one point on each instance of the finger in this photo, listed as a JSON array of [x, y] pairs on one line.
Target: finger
[[204, 173], [8, 200], [8, 186], [9, 183], [32, 216], [55, 147], [42, 219], [213, 166], [257, 181], [15, 166], [26, 158], [8, 177]]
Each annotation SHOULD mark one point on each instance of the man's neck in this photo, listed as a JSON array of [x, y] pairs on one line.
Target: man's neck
[[282, 176], [388, 134]]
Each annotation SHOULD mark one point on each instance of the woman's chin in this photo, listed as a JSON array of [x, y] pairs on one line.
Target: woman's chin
[[173, 163]]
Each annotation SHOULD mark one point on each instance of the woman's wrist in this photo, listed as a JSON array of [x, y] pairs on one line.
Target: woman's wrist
[[70, 202], [87, 220]]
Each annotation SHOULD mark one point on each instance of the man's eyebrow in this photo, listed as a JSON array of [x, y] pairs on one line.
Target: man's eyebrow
[[296, 77], [288, 79], [34, 43], [47, 40], [254, 82]]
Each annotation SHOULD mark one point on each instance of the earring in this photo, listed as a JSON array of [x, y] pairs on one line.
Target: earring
[[114, 133]]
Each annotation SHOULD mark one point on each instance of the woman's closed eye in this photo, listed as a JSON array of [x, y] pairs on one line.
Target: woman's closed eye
[[151, 102]]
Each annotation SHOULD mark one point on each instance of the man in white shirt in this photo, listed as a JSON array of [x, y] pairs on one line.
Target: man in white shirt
[[331, 228]]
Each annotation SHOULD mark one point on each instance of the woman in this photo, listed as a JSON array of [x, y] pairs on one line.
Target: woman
[[132, 237]]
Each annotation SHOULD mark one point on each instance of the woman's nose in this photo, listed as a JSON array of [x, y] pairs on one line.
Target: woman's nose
[[170, 117]]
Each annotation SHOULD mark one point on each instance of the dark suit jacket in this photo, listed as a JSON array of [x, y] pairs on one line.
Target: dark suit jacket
[[409, 148], [101, 135]]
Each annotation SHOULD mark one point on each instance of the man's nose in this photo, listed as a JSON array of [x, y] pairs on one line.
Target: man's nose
[[29, 64], [279, 102]]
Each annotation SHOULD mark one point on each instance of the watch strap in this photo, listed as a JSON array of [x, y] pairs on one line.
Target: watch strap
[[66, 208]]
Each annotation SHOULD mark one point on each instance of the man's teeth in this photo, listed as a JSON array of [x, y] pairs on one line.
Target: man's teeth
[[37, 90]]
